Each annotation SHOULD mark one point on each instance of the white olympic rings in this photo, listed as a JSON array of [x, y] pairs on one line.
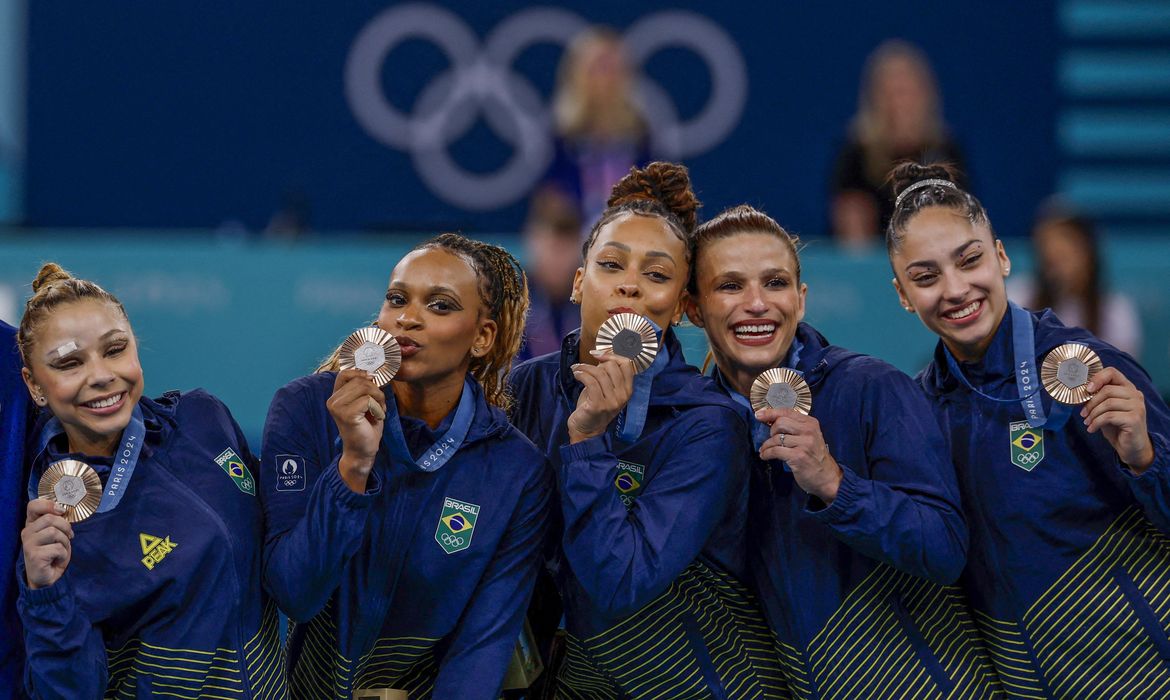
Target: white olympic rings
[[481, 80], [451, 540]]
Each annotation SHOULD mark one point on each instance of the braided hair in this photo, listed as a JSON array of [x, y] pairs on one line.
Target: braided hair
[[55, 287], [660, 189], [503, 289]]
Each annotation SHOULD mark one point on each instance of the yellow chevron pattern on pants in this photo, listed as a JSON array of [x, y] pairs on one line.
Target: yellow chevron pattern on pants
[[648, 655], [321, 672], [220, 674], [1099, 631], [894, 636]]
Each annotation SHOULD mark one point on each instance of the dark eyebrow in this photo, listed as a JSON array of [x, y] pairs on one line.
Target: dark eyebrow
[[955, 253], [615, 244], [659, 254], [433, 289]]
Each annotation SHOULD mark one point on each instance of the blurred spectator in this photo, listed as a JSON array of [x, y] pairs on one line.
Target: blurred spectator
[[899, 116], [552, 253], [294, 218], [1070, 280], [600, 134]]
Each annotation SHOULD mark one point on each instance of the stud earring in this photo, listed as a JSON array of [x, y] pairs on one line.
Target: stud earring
[[909, 308], [41, 401], [574, 299]]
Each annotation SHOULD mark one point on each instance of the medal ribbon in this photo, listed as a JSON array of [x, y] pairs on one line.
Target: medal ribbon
[[443, 448], [125, 459], [1027, 378], [632, 418]]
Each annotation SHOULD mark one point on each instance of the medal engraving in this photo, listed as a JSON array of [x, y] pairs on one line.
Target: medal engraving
[[631, 336], [372, 350], [627, 343], [69, 490], [73, 484], [1072, 372], [781, 396], [369, 356], [1067, 369], [781, 387]]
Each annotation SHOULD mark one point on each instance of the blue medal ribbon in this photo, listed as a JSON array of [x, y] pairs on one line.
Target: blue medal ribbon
[[443, 448], [762, 431], [632, 419], [1027, 378], [125, 459]]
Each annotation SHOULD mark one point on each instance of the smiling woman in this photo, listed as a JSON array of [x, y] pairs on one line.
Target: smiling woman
[[99, 592], [1068, 506], [858, 533]]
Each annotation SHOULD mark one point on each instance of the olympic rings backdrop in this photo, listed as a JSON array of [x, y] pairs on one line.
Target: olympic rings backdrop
[[427, 115]]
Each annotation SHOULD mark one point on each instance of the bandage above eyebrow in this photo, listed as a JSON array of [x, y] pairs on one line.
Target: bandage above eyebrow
[[62, 350]]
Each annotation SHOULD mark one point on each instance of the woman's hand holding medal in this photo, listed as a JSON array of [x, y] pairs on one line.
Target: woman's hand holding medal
[[360, 427], [1118, 410], [46, 541], [796, 439], [608, 388]]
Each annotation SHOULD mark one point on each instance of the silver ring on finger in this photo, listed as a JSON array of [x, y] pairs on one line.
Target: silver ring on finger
[[782, 436]]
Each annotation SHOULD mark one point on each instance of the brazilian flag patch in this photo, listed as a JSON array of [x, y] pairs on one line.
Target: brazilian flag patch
[[1027, 445], [628, 481], [456, 525], [237, 470]]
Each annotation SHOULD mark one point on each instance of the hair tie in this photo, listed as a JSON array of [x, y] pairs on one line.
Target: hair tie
[[924, 183]]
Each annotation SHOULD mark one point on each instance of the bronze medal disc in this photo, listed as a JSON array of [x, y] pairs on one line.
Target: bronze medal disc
[[373, 350], [781, 387], [74, 485], [1067, 369], [629, 335]]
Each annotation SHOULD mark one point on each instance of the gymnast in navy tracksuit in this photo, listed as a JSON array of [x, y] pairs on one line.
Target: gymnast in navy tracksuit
[[1069, 507], [405, 549], [856, 532], [651, 549], [14, 410], [157, 593]]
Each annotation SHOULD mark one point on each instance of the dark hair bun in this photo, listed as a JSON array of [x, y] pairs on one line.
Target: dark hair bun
[[666, 183], [908, 172], [49, 273]]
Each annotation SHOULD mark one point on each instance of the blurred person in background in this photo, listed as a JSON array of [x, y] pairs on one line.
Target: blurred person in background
[[1070, 280], [14, 411], [600, 132], [899, 116], [552, 251]]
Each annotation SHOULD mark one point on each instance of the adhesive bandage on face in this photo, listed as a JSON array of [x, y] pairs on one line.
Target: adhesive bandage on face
[[62, 350]]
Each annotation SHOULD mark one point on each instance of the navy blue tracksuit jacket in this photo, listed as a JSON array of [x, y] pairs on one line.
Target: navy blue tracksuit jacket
[[652, 540], [162, 596], [378, 599], [859, 592], [1069, 562], [14, 411]]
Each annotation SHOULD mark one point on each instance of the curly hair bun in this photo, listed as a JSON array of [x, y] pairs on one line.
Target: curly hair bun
[[48, 274], [666, 183], [908, 172]]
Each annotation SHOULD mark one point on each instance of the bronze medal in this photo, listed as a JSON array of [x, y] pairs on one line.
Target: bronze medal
[[781, 387], [631, 336], [373, 350], [74, 485], [1066, 370]]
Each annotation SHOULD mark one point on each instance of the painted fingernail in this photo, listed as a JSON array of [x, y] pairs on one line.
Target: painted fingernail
[[596, 353], [58, 509]]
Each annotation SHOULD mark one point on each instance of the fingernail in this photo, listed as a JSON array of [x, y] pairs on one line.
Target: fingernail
[[596, 353], [1090, 387], [58, 509]]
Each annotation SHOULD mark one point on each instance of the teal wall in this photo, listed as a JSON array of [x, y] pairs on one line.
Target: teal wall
[[241, 319]]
